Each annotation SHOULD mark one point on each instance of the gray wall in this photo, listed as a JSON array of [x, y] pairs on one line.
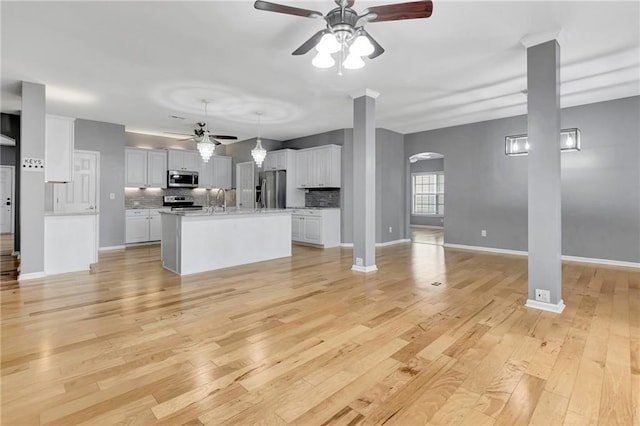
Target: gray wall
[[425, 166], [600, 185], [139, 140], [109, 140]]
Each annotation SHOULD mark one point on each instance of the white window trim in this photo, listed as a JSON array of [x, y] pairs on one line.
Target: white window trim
[[413, 195]]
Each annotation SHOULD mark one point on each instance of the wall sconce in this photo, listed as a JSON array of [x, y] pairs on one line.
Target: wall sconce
[[519, 144]]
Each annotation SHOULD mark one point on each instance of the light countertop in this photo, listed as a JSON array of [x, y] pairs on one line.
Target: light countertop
[[234, 213], [83, 213]]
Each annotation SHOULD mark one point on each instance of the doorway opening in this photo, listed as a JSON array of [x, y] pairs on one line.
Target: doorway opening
[[427, 195]]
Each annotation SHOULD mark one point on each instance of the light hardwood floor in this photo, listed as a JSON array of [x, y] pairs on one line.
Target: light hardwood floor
[[427, 236], [304, 340]]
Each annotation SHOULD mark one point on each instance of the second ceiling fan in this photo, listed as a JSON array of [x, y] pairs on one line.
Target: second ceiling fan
[[345, 33]]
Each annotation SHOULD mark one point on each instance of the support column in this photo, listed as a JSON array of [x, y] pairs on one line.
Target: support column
[[545, 230], [364, 181], [32, 131]]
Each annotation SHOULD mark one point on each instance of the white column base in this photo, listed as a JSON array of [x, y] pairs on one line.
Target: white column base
[[31, 276], [557, 308], [371, 268]]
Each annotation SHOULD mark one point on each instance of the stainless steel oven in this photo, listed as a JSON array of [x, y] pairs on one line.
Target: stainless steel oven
[[182, 179]]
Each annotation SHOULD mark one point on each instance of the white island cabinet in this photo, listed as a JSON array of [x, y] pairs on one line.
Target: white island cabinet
[[195, 242]]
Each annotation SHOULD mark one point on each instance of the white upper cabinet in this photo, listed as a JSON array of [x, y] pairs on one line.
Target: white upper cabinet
[[319, 167], [145, 168], [277, 160], [59, 144], [157, 169], [184, 160], [216, 173]]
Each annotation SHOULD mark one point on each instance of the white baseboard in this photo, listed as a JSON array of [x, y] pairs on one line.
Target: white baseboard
[[601, 261], [391, 243], [549, 307], [593, 260], [486, 249], [370, 268], [31, 276], [112, 248], [427, 226], [388, 243]]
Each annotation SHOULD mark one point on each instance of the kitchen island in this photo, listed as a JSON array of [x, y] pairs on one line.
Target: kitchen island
[[195, 242]]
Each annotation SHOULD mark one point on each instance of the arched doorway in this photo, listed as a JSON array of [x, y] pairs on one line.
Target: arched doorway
[[426, 191]]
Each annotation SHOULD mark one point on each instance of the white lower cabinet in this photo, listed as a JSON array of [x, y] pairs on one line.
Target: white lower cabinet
[[142, 225], [155, 226], [316, 226]]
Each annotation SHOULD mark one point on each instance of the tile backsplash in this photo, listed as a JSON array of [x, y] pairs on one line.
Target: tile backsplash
[[151, 198], [329, 197]]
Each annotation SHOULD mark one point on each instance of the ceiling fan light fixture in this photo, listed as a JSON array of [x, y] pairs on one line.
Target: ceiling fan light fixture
[[328, 44], [353, 62], [206, 148], [323, 60], [361, 46]]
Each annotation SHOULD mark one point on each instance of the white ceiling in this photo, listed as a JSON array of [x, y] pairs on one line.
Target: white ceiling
[[137, 63]]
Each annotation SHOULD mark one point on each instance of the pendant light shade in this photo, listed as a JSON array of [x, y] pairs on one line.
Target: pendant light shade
[[323, 60], [353, 62], [259, 153], [361, 46], [206, 148]]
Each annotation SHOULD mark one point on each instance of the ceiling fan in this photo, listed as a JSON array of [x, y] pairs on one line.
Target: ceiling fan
[[345, 31], [205, 141]]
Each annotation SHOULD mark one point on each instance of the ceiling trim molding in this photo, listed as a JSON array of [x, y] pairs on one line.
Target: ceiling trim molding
[[535, 39], [364, 92]]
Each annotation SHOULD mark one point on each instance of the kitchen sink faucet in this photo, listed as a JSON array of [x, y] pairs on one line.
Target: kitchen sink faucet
[[224, 195]]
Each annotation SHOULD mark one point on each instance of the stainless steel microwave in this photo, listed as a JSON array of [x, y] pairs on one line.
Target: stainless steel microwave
[[182, 179]]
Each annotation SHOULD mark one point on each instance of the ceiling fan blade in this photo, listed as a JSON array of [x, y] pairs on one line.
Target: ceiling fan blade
[[309, 44], [187, 139], [377, 49], [394, 12], [289, 10], [231, 138]]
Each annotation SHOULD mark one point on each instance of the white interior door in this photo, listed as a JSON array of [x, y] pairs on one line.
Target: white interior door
[[245, 185], [6, 199], [81, 194]]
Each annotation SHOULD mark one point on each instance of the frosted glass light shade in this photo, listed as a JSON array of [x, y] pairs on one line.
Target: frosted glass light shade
[[519, 144], [258, 153], [361, 46], [323, 60], [353, 62], [206, 148], [328, 44]]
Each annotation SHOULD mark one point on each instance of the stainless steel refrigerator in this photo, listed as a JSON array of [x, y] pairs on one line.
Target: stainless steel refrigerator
[[273, 189]]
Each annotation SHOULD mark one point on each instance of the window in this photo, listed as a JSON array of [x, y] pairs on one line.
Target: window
[[427, 193]]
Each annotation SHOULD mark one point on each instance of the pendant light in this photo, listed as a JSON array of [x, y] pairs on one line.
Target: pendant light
[[205, 146], [259, 153]]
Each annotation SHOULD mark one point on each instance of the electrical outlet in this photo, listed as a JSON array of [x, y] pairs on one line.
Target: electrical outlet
[[390, 229], [483, 233], [358, 261], [543, 295]]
